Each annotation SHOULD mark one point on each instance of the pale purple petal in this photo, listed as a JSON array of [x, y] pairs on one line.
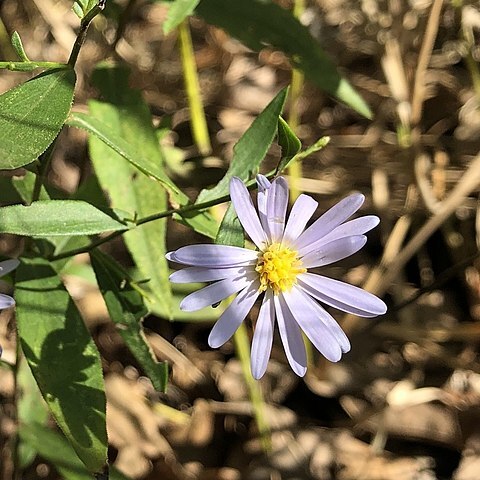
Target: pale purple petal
[[203, 274], [358, 226], [262, 195], [302, 210], [215, 292], [330, 219], [291, 336], [8, 265], [246, 212], [233, 316], [314, 324], [334, 251], [277, 202], [263, 182], [343, 296], [263, 336], [6, 301], [206, 255]]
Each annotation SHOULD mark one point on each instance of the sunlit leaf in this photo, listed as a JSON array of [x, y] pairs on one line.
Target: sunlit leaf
[[128, 116], [199, 221], [260, 23], [57, 217], [82, 7], [32, 114], [251, 149], [178, 10], [289, 143], [18, 47], [64, 359]]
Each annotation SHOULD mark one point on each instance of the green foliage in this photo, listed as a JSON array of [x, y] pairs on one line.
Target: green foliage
[[128, 116], [199, 221], [251, 149], [30, 409], [230, 231], [32, 114], [126, 308], [178, 10], [258, 23], [82, 7], [52, 446], [58, 218], [18, 47], [289, 143], [64, 359]]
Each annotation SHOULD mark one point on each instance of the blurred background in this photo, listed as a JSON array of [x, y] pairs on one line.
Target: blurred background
[[405, 402]]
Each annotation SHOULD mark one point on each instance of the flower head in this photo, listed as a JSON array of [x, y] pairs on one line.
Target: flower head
[[279, 271]]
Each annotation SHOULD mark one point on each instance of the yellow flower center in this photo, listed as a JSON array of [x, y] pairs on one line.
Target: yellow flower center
[[278, 267]]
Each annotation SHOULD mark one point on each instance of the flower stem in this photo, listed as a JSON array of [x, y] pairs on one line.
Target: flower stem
[[190, 75], [242, 348]]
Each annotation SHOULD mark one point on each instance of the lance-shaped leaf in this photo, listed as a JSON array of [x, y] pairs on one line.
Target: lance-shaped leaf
[[178, 10], [199, 221], [258, 23], [58, 217], [251, 149], [63, 358], [126, 308], [32, 114], [128, 116]]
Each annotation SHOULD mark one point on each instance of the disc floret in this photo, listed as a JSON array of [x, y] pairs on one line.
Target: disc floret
[[278, 267]]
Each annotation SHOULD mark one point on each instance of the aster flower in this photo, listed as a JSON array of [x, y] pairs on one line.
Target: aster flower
[[278, 270]]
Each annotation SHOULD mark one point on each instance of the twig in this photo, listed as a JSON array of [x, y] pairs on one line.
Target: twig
[[382, 277]]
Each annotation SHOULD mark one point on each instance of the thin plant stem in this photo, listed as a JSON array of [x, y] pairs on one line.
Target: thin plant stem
[[296, 88], [197, 113], [29, 66], [82, 34], [242, 349]]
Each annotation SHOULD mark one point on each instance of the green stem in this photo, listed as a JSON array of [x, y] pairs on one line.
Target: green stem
[[45, 160], [29, 66], [82, 34], [242, 348], [296, 88], [190, 75], [321, 143]]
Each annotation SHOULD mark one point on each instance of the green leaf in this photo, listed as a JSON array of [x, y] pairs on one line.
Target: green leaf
[[32, 114], [199, 221], [111, 138], [63, 358], [82, 7], [128, 116], [54, 448], [57, 217], [258, 23], [126, 308], [30, 409], [251, 149], [230, 231], [18, 47], [178, 11], [289, 143]]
